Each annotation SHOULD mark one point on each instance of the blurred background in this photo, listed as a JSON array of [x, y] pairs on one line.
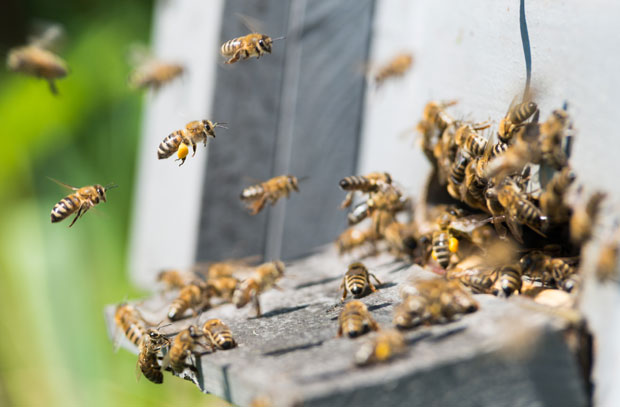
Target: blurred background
[[55, 281]]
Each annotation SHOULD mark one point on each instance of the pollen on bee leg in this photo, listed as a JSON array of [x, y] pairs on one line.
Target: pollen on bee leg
[[453, 245], [183, 151]]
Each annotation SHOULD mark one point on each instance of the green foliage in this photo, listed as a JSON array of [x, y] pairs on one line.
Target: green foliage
[[55, 281]]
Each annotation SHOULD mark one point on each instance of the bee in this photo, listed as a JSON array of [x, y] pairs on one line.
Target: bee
[[584, 218], [398, 66], [220, 269], [508, 280], [435, 116], [467, 137], [363, 183], [536, 265], [174, 279], [353, 238], [411, 312], [179, 140], [552, 198], [251, 45], [128, 319], [457, 173], [607, 262], [150, 344], [271, 190], [81, 201], [383, 347], [264, 277], [517, 114], [154, 74], [443, 300], [562, 270], [193, 296], [387, 198], [401, 238], [519, 210], [357, 281], [355, 320], [480, 280], [35, 59], [218, 334], [183, 345], [552, 133], [359, 213], [443, 246], [222, 287]]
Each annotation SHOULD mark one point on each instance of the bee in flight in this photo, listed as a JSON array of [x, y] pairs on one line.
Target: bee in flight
[[150, 71], [251, 45], [180, 140], [271, 190], [35, 59], [81, 201], [397, 66]]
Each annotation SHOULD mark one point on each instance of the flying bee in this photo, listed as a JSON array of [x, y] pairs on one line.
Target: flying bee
[[362, 183], [129, 320], [443, 246], [222, 287], [397, 66], [357, 281], [584, 217], [264, 277], [218, 334], [81, 201], [251, 45], [552, 198], [154, 74], [35, 59], [355, 320], [179, 140], [383, 347], [508, 280], [517, 114], [193, 296], [271, 190], [183, 345], [150, 344]]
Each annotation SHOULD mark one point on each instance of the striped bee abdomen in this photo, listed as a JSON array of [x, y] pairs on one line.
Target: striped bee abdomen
[[457, 171], [522, 112], [230, 47], [441, 252], [354, 182], [223, 339], [252, 192], [170, 145], [509, 279], [65, 207], [150, 368]]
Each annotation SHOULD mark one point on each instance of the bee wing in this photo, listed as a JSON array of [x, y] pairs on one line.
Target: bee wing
[[468, 224], [166, 361], [252, 24], [139, 54], [515, 228], [47, 35], [514, 102], [138, 370], [63, 184]]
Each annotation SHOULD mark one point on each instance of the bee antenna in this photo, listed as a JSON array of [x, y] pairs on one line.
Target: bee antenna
[[110, 186], [305, 177], [277, 39], [219, 124]]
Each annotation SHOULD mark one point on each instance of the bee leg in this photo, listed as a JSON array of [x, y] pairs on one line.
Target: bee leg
[[193, 148], [347, 200], [344, 292], [53, 87], [256, 305], [375, 277], [234, 58], [258, 205], [80, 212], [373, 324]]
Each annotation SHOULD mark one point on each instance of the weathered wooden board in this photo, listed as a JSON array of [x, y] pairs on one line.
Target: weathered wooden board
[[506, 354]]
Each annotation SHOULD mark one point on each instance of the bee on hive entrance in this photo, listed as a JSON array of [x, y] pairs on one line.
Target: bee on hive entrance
[[357, 281], [355, 320]]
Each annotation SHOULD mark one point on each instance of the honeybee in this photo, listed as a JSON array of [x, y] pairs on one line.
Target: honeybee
[[218, 334], [357, 281], [438, 301], [81, 201], [173, 279], [584, 218], [36, 60], [359, 213], [435, 116], [251, 45], [508, 280], [183, 345], [353, 238], [457, 173], [401, 238], [154, 74], [355, 320], [552, 198], [222, 287], [480, 280], [264, 277], [552, 133], [397, 66], [520, 210], [150, 344], [607, 263], [443, 246], [179, 140], [271, 190], [128, 319], [194, 296], [411, 312], [363, 183], [467, 137], [517, 114], [383, 347]]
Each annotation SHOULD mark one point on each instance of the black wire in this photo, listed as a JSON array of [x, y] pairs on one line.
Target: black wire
[[525, 40]]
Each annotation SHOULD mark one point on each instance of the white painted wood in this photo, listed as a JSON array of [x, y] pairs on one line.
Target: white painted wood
[[471, 51], [167, 198]]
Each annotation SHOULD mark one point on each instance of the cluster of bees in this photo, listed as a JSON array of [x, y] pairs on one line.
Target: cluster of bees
[[197, 291]]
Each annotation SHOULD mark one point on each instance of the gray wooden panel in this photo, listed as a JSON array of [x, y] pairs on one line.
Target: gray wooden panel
[[247, 96], [333, 48]]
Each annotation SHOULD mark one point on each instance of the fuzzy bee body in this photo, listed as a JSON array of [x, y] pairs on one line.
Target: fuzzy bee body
[[355, 320], [508, 281], [256, 196], [383, 347], [179, 140], [443, 245], [150, 345], [222, 287], [357, 281], [154, 74], [81, 201], [128, 320], [517, 115], [398, 66], [182, 346], [218, 334], [264, 277], [457, 170], [251, 45], [36, 61], [193, 296]]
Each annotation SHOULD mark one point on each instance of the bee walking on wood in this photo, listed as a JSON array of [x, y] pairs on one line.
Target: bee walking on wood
[[256, 196], [383, 347], [81, 201], [180, 140], [251, 45], [218, 334], [398, 66], [355, 320], [264, 277], [183, 345], [193, 296], [150, 344], [35, 59], [222, 287], [357, 281]]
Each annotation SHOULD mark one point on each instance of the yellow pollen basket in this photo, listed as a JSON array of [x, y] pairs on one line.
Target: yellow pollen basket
[[383, 351], [453, 245], [434, 255], [183, 151]]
